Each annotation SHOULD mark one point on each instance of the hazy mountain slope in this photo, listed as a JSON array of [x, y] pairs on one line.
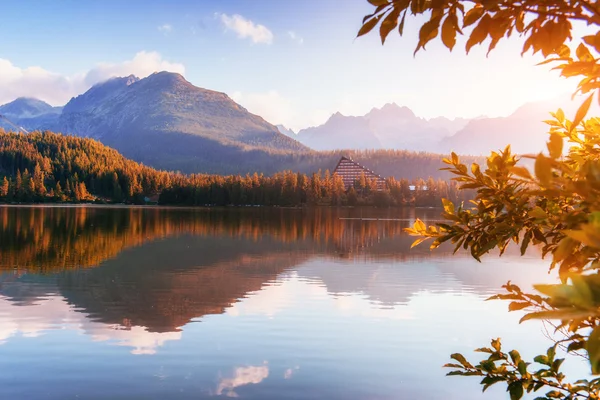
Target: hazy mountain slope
[[165, 121], [389, 127], [30, 114], [340, 132], [286, 131], [523, 130]]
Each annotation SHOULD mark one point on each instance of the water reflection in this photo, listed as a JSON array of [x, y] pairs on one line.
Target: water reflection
[[253, 303]]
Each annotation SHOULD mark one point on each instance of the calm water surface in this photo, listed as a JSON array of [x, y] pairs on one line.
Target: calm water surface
[[149, 303]]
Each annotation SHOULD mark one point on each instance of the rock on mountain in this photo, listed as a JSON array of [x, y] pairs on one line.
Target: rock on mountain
[[389, 127], [30, 114], [165, 121]]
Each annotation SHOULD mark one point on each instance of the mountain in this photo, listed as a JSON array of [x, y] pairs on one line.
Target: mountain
[[165, 121], [30, 114], [287, 132], [523, 130], [388, 127]]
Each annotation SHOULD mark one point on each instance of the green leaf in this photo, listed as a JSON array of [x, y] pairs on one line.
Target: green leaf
[[461, 359], [522, 366], [490, 380], [496, 344], [581, 112], [515, 356], [538, 213], [516, 390], [593, 349]]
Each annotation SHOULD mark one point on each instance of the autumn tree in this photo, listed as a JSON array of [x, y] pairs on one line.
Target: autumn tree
[[555, 207], [4, 188]]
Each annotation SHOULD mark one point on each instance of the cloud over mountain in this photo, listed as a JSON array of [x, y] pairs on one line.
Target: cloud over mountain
[[57, 89]]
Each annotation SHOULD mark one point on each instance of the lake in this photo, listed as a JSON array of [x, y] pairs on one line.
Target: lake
[[157, 303]]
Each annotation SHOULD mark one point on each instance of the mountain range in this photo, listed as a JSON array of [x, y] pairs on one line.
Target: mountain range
[[163, 121], [396, 127], [388, 127], [166, 122]]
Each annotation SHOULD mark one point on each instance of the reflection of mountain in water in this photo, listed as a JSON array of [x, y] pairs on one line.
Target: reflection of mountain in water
[[163, 285], [159, 269], [388, 284]]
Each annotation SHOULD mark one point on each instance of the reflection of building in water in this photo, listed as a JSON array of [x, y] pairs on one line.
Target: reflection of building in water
[[350, 171]]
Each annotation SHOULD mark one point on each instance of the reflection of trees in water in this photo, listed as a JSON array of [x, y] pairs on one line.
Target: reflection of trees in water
[[199, 262], [50, 238]]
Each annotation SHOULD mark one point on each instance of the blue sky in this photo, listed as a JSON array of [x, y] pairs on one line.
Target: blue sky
[[292, 62]]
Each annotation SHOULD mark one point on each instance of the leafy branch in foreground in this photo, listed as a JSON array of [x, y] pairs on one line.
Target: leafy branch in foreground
[[556, 208]]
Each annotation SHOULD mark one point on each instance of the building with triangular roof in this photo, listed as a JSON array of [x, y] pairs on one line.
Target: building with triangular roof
[[350, 171]]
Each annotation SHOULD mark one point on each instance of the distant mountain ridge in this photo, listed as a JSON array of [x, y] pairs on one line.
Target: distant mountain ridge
[[388, 127], [30, 113], [395, 127]]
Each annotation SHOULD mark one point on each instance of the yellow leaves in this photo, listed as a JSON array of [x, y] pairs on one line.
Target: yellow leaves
[[480, 32], [369, 25], [472, 16], [538, 213], [582, 112], [449, 31], [555, 145], [448, 206], [420, 229], [521, 172], [420, 225], [520, 23], [388, 24], [428, 31], [378, 3], [543, 170], [583, 53], [588, 235], [560, 116], [593, 40], [564, 249]]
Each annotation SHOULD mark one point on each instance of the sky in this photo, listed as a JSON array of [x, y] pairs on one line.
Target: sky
[[293, 62]]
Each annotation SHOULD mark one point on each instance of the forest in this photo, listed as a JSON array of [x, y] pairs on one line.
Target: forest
[[45, 167]]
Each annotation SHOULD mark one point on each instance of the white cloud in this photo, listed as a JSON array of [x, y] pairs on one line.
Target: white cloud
[[52, 312], [165, 28], [245, 28], [295, 37], [242, 376], [57, 89]]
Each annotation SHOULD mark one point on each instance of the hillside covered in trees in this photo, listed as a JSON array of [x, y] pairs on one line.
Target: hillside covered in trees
[[49, 167]]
